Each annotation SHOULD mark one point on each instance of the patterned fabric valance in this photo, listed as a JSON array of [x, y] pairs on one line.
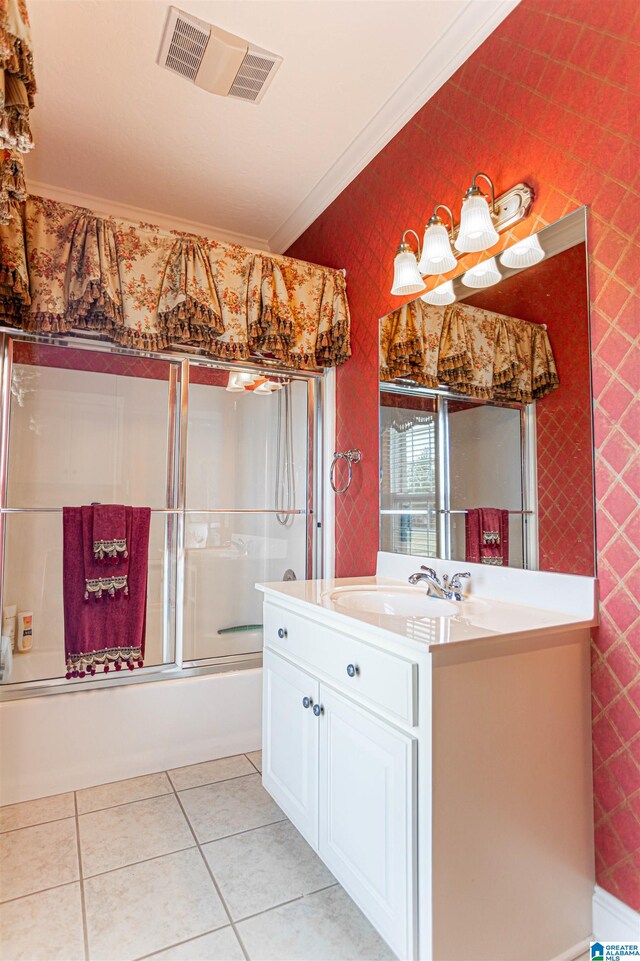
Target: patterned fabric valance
[[471, 350], [17, 92], [64, 267]]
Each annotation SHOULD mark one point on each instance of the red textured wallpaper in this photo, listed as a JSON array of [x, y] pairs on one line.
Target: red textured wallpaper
[[551, 98], [555, 293], [42, 355]]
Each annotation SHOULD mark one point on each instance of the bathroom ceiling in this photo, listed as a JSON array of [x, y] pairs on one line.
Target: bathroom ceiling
[[113, 127]]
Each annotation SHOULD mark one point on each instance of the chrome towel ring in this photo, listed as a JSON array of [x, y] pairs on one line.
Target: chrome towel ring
[[353, 456]]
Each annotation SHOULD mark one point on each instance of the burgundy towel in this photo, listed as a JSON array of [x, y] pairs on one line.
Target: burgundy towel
[[108, 627], [109, 531], [487, 536]]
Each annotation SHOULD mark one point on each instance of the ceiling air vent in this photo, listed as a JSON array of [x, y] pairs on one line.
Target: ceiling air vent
[[214, 59]]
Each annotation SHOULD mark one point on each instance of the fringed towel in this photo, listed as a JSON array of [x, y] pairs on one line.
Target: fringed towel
[[105, 607], [487, 536], [109, 531]]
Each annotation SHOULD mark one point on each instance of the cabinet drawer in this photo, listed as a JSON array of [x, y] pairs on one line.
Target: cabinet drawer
[[378, 678]]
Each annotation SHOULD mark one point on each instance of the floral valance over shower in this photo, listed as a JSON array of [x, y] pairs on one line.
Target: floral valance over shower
[[65, 268], [474, 351], [17, 92]]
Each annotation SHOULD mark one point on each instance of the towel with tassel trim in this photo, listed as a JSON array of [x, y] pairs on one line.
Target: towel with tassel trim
[[487, 536], [109, 531], [104, 609]]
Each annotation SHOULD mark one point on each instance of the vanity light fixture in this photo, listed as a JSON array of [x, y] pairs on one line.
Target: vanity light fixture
[[406, 276], [485, 274], [254, 383], [437, 255], [440, 296], [525, 253], [482, 220], [476, 226]]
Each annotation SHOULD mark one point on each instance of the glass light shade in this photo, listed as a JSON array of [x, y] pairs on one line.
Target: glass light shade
[[485, 274], [476, 227], [233, 384], [267, 388], [525, 253], [406, 276], [437, 256], [440, 296]]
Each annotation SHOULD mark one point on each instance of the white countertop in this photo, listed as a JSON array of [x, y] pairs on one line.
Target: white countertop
[[476, 617]]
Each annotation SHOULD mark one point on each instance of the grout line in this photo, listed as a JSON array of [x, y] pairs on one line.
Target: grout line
[[85, 932], [215, 883], [251, 762], [132, 864], [237, 834], [121, 804], [236, 777], [21, 897], [281, 904], [38, 824], [179, 944]]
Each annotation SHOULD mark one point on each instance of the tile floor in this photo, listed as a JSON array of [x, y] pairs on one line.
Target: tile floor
[[194, 864]]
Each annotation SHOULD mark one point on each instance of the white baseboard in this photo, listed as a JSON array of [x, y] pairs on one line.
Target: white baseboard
[[612, 919], [574, 953]]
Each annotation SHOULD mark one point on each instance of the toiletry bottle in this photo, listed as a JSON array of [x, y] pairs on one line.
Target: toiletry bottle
[[24, 633], [9, 624]]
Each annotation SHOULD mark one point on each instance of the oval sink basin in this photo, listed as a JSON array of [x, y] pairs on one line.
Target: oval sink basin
[[394, 601]]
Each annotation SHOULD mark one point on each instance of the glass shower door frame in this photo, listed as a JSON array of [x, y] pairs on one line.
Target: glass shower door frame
[[175, 509], [312, 513]]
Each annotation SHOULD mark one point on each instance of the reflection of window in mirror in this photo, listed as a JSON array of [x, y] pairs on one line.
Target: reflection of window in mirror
[[445, 453]]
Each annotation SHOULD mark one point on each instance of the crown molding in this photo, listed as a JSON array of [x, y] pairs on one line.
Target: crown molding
[[127, 212], [473, 25]]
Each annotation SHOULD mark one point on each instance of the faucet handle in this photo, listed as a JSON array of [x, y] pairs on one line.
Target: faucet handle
[[428, 570], [455, 580]]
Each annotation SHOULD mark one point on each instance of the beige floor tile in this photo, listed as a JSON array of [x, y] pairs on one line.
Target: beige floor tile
[[217, 810], [39, 857], [122, 792], [128, 833], [256, 759], [220, 945], [145, 908], [43, 927], [326, 926], [263, 868], [210, 772], [43, 809]]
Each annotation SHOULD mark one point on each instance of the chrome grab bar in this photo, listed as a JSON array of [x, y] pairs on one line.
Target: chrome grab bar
[[353, 456]]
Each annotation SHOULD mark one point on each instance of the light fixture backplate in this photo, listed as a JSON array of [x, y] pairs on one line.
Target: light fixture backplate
[[511, 207]]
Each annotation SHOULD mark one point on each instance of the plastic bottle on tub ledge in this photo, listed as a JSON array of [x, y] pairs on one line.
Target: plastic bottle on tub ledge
[[9, 624], [24, 632]]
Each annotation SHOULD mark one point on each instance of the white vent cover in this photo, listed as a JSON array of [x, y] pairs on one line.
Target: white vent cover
[[214, 59]]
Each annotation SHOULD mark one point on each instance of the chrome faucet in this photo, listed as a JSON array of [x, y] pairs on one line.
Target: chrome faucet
[[448, 590]]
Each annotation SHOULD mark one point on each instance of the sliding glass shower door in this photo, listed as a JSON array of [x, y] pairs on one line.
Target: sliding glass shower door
[[223, 457], [247, 498]]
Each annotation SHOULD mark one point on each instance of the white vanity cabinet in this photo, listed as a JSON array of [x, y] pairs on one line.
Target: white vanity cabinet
[[440, 765], [341, 771]]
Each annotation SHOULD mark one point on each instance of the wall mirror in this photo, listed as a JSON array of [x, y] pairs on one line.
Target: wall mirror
[[468, 435]]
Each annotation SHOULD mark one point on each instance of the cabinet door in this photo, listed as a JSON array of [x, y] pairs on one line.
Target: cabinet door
[[290, 743], [367, 814]]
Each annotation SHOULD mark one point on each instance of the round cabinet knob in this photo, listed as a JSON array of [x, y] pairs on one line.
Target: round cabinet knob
[[352, 670], [306, 702], [282, 632], [317, 710]]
